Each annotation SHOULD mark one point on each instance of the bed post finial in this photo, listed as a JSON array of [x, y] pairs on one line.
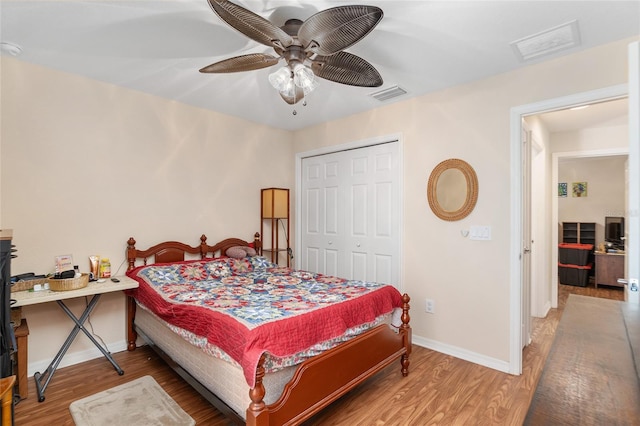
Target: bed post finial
[[405, 311], [203, 246], [131, 255], [257, 242]]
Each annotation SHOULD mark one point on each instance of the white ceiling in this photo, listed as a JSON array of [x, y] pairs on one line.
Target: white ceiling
[[596, 115], [157, 47]]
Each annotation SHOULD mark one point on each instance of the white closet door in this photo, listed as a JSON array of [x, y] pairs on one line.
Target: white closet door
[[351, 213]]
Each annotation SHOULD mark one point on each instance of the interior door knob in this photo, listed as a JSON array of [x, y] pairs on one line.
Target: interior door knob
[[357, 244]]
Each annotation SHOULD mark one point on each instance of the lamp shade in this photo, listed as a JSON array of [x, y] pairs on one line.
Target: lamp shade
[[275, 203]]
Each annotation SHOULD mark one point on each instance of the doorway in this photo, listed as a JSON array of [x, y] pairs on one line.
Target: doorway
[[608, 171], [592, 134], [517, 251]]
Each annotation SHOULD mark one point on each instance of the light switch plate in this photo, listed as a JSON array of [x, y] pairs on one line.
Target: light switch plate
[[480, 233]]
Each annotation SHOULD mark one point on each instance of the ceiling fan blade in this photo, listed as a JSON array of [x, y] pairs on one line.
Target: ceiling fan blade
[[293, 99], [346, 68], [248, 23], [253, 61], [335, 29]]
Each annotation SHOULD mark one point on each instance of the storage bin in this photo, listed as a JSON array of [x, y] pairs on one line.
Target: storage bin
[[574, 274], [574, 254]]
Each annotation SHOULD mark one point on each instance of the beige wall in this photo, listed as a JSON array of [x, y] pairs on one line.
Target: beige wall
[[469, 280], [86, 165], [605, 177]]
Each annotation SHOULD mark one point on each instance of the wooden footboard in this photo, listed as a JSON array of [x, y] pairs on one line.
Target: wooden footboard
[[319, 380], [326, 377]]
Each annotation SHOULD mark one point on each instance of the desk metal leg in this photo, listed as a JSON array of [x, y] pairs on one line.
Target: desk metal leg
[[51, 369]]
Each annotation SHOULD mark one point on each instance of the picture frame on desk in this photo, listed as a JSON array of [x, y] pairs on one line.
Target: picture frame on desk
[[64, 263]]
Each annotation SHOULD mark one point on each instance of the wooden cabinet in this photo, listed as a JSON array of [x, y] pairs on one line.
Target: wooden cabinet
[[274, 225], [609, 267], [21, 357]]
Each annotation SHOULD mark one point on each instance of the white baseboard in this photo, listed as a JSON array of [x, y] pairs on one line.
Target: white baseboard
[[464, 354], [78, 357], [73, 358]]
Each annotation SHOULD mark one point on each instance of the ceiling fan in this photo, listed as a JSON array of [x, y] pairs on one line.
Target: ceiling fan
[[313, 48]]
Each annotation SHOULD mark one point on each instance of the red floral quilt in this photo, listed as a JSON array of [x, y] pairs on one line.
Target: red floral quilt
[[250, 306]]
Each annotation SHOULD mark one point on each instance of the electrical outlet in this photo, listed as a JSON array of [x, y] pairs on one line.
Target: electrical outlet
[[430, 306]]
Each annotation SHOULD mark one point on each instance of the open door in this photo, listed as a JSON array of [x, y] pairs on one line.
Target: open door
[[526, 235], [633, 231]]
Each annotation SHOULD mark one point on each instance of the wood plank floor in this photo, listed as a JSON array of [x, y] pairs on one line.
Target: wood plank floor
[[440, 389]]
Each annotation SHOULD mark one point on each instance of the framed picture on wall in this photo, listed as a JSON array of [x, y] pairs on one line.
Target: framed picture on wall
[[562, 189], [579, 189]]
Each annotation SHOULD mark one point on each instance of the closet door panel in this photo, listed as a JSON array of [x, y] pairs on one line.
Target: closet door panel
[[358, 220]]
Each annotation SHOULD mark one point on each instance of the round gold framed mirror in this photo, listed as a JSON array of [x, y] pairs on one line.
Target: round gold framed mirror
[[452, 189]]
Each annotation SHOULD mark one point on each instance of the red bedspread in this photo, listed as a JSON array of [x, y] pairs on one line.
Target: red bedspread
[[248, 307]]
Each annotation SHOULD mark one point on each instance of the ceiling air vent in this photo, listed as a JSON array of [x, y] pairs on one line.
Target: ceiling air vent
[[547, 42], [386, 94]]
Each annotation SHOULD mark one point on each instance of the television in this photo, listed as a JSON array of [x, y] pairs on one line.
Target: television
[[614, 231]]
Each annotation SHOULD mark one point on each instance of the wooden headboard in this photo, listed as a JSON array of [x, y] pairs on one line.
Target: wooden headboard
[[174, 251]]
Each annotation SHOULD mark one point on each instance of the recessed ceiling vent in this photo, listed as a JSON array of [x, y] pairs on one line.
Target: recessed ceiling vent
[[386, 94], [547, 42]]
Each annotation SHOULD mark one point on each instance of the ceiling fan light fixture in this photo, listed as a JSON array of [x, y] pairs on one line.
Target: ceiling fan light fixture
[[312, 49], [289, 89], [304, 78], [280, 79]]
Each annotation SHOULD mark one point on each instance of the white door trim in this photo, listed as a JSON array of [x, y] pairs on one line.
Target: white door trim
[[515, 275], [633, 243], [394, 137]]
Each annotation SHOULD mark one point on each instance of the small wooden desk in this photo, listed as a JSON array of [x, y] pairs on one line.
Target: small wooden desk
[[609, 267], [95, 290]]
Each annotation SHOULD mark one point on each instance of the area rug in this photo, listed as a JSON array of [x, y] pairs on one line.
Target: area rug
[[141, 402]]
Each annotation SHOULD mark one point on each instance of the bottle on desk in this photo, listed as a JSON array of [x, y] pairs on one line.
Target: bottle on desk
[[105, 268]]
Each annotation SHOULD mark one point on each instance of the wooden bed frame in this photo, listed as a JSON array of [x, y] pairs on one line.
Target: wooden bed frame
[[316, 383]]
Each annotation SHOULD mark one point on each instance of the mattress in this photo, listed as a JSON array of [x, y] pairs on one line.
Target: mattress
[[224, 379]]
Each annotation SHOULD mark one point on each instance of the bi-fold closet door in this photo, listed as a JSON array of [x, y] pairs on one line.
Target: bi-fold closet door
[[350, 213]]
